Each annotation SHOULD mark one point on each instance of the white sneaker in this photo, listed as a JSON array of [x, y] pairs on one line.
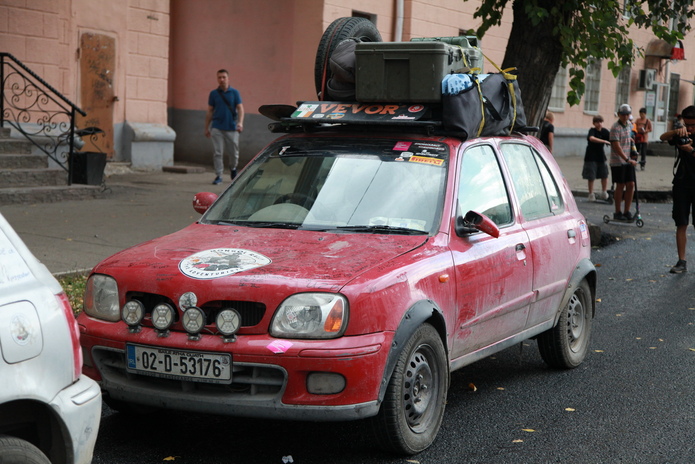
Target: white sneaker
[[591, 197], [604, 195]]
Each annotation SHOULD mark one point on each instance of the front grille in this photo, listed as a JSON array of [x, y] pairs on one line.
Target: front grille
[[251, 313], [249, 381]]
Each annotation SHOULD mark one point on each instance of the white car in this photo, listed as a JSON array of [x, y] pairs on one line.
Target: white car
[[49, 411]]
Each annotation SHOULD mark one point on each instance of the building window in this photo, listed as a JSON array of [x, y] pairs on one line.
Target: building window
[[673, 96], [559, 92], [592, 85], [622, 87], [627, 5]]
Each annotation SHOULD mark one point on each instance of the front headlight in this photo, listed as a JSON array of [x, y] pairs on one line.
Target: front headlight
[[101, 298], [311, 315]]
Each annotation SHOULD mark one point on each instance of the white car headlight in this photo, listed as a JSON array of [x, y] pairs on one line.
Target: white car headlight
[[101, 298], [311, 315]]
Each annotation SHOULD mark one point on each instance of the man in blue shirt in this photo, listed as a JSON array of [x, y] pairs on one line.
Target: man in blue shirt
[[223, 122]]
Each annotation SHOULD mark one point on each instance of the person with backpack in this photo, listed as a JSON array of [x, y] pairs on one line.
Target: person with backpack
[[643, 127], [223, 122]]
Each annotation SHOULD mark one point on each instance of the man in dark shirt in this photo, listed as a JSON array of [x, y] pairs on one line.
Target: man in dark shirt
[[683, 182], [547, 134], [223, 122], [595, 166]]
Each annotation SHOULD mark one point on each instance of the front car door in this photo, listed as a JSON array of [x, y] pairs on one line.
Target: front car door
[[493, 275]]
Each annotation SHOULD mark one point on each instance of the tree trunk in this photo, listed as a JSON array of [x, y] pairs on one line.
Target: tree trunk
[[536, 54]]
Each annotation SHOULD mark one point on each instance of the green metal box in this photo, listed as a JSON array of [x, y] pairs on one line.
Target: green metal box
[[405, 71]]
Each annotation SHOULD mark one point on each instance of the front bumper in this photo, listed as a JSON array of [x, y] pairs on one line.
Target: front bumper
[[265, 384]]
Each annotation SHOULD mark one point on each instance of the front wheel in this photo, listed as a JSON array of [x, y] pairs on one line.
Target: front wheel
[[413, 407], [16, 451], [566, 345]]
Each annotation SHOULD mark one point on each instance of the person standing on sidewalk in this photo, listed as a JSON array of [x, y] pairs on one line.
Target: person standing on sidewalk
[[223, 122], [622, 166], [595, 159], [683, 182], [643, 127], [547, 134]]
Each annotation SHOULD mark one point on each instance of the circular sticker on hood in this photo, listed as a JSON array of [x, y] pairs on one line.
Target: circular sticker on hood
[[221, 262]]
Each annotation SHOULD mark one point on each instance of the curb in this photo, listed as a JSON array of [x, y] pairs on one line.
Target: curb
[[652, 196]]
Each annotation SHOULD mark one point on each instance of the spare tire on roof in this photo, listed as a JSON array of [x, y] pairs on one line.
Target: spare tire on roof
[[339, 30]]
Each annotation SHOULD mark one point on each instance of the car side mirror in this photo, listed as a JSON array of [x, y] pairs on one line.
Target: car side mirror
[[473, 222], [203, 200]]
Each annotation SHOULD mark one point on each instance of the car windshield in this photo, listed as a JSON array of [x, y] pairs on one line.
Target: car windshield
[[374, 186]]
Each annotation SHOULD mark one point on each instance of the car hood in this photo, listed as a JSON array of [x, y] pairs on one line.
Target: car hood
[[206, 252]]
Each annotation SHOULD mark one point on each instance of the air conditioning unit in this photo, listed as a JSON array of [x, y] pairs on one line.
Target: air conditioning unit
[[647, 77]]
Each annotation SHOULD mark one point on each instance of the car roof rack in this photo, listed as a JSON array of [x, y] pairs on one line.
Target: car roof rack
[[310, 116]]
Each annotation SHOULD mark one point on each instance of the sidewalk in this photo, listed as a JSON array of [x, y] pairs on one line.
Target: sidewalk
[[654, 182], [75, 235]]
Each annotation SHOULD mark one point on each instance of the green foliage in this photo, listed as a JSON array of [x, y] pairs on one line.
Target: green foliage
[[74, 286], [597, 29]]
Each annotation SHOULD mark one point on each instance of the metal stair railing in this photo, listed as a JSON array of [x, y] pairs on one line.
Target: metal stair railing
[[39, 112]]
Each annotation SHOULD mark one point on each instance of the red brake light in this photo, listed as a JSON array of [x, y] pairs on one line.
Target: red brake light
[[74, 335]]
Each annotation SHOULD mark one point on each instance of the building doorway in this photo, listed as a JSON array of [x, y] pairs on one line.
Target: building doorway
[[97, 70]]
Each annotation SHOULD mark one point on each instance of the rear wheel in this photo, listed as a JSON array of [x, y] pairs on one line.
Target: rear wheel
[[339, 30], [566, 345], [413, 406], [16, 451]]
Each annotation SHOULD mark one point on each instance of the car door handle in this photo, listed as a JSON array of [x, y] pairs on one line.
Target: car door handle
[[520, 247], [571, 233]]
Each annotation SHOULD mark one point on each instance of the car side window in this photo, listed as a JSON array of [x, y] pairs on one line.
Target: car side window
[[534, 184], [481, 185]]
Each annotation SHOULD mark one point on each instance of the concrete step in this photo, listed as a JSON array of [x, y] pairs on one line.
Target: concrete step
[[51, 194], [15, 178], [14, 161], [14, 146], [661, 149]]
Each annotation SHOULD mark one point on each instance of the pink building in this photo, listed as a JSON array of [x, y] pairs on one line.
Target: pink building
[[142, 69]]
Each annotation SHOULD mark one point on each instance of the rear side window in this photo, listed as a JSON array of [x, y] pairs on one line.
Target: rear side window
[[481, 185], [534, 184]]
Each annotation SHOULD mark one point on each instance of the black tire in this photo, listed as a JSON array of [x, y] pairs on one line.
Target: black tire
[[16, 451], [566, 345], [339, 30], [411, 414]]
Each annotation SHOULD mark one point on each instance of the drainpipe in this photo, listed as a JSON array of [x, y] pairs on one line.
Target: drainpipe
[[398, 33]]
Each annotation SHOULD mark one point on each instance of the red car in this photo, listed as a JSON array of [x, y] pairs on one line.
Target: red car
[[343, 275]]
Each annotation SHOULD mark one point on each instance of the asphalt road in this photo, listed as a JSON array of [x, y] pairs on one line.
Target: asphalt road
[[632, 401]]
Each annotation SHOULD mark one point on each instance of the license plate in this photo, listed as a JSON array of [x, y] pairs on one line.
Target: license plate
[[179, 364]]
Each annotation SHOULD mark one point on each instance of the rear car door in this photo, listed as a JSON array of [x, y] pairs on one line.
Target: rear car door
[[493, 275], [553, 231]]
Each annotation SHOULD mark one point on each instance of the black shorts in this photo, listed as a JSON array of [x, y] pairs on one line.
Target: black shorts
[[623, 174], [593, 170], [683, 205]]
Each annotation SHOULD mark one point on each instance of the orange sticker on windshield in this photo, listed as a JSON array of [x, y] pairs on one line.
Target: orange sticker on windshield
[[425, 160]]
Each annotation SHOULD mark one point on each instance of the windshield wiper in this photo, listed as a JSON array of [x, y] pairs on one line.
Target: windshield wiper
[[271, 225], [383, 229], [223, 223]]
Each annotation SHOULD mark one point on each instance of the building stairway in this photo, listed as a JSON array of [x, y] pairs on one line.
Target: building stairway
[[26, 178]]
